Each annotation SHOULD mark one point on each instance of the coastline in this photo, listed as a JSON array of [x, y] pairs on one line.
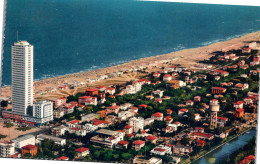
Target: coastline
[[185, 57]]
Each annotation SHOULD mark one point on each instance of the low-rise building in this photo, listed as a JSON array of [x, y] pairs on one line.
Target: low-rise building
[[138, 144], [23, 141], [107, 138], [29, 149], [59, 131], [7, 148], [58, 141], [81, 152]]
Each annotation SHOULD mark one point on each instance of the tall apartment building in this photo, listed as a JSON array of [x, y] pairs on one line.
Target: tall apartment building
[[137, 123], [22, 77], [41, 112], [6, 148]]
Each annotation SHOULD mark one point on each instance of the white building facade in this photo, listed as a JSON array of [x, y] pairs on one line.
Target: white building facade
[[22, 77]]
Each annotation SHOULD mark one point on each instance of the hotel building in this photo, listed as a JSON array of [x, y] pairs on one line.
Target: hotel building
[[22, 77]]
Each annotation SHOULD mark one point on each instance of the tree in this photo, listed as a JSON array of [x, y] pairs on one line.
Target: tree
[[4, 103], [126, 156]]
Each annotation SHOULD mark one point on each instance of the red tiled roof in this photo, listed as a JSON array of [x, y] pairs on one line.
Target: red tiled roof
[[81, 149], [143, 105], [251, 157], [62, 158], [199, 128], [183, 110], [219, 88], [223, 118], [240, 110], [158, 114], [98, 122], [130, 135], [85, 97], [159, 149], [238, 103], [167, 75], [201, 141], [91, 89], [176, 123], [127, 127], [123, 142], [138, 142], [151, 137], [74, 121], [110, 88], [29, 147], [113, 107], [203, 134]]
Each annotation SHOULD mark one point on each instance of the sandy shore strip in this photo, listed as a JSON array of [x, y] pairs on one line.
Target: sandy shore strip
[[186, 57]]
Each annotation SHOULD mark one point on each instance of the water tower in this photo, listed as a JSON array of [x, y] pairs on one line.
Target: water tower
[[214, 106]]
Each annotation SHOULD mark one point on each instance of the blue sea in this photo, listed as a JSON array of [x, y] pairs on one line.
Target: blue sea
[[78, 35]]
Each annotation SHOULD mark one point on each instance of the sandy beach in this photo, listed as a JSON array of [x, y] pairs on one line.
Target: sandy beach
[[187, 58]]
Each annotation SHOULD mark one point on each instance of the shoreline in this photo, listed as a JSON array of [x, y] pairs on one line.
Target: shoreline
[[186, 57]]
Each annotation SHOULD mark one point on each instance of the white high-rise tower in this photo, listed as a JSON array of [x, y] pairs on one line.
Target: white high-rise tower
[[22, 77]]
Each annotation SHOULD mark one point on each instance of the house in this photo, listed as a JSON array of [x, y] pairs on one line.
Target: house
[[248, 101], [122, 144], [197, 98], [167, 77], [239, 113], [100, 123], [158, 116], [182, 150], [58, 131], [29, 149], [151, 139], [158, 100], [246, 50], [113, 109], [62, 158], [158, 92], [110, 90], [162, 150], [142, 106], [7, 148], [91, 92], [242, 87], [101, 114], [141, 160], [169, 111], [202, 136], [73, 123], [182, 111], [101, 88], [107, 138], [24, 140], [77, 131], [156, 74], [172, 127], [88, 100], [138, 144], [58, 141], [168, 119], [175, 84], [201, 142], [81, 152], [189, 102], [218, 90], [197, 116], [238, 104], [137, 123], [199, 129], [88, 117], [128, 129], [148, 121]]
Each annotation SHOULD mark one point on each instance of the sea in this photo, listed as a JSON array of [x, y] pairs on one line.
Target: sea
[[71, 36]]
